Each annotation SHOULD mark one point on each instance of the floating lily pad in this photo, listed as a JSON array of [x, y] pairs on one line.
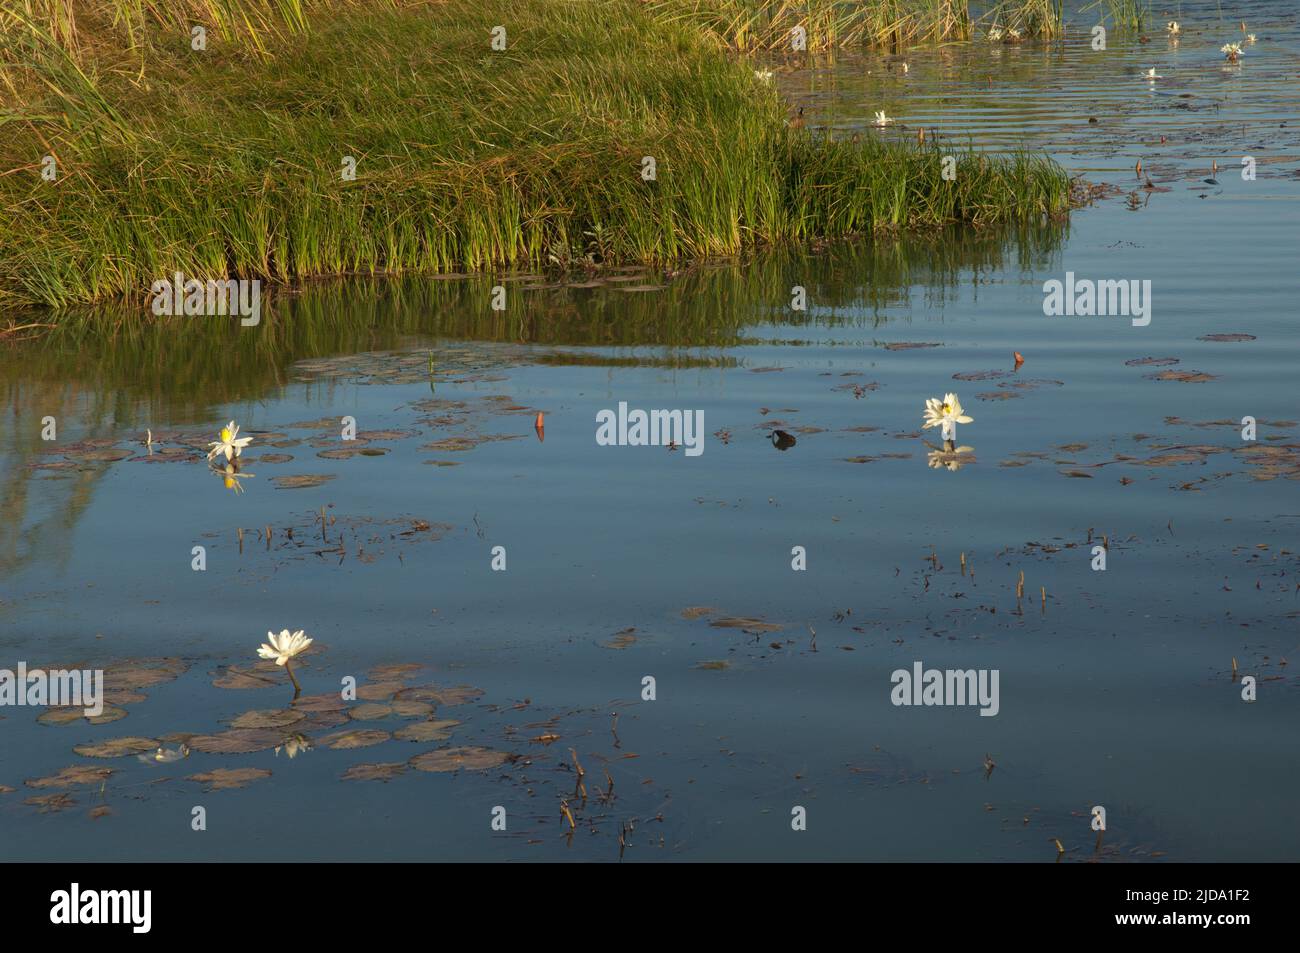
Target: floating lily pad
[[330, 701], [49, 803], [909, 345], [301, 481], [411, 708], [238, 741], [1186, 377], [116, 747], [227, 778], [996, 395], [272, 718], [387, 434], [749, 625], [364, 738], [142, 673], [713, 665], [445, 697], [980, 375], [379, 691], [457, 759], [241, 679], [389, 673], [61, 716], [697, 612], [427, 730], [369, 711], [275, 458], [71, 776], [385, 771], [1229, 338], [1151, 361]]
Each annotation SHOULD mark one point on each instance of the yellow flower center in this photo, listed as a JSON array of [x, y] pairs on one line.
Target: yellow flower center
[[947, 409], [225, 435]]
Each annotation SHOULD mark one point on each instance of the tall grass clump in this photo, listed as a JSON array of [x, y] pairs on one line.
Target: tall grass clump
[[229, 161]]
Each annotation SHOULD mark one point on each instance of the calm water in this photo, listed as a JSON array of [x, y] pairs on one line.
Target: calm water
[[1119, 693]]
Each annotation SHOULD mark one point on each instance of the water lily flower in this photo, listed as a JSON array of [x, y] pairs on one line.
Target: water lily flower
[[946, 414], [765, 75], [1173, 28], [231, 444], [995, 34], [1152, 74], [881, 119], [1013, 34], [1250, 37], [1231, 51], [284, 646]]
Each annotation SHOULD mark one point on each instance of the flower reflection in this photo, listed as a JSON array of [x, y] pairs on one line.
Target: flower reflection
[[231, 476], [293, 746], [949, 457]]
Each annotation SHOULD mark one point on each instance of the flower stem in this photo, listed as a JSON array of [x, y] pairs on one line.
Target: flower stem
[[297, 689]]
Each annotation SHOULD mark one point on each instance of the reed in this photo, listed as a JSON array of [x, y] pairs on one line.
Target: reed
[[228, 162]]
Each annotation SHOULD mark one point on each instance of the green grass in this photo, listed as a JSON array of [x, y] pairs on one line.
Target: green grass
[[228, 161]]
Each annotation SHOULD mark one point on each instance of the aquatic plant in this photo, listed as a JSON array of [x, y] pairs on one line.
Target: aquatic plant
[[228, 442], [1231, 51], [946, 414], [284, 648], [465, 159]]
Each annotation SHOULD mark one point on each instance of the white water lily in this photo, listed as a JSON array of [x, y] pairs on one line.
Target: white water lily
[[1152, 74], [1173, 28], [881, 119], [230, 442], [946, 414], [1013, 33], [906, 67], [1250, 37], [995, 34], [284, 646], [1231, 51], [764, 75]]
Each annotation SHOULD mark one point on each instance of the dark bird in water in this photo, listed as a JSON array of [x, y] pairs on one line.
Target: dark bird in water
[[782, 440], [797, 121]]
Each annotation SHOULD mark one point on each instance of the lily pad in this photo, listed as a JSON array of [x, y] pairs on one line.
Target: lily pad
[[427, 731], [238, 741], [301, 481], [116, 747], [384, 771], [749, 625], [272, 718], [345, 740], [1186, 377], [227, 778], [411, 708], [1151, 362], [72, 776], [330, 701], [1228, 338], [379, 691], [49, 803], [457, 759], [370, 711], [446, 697]]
